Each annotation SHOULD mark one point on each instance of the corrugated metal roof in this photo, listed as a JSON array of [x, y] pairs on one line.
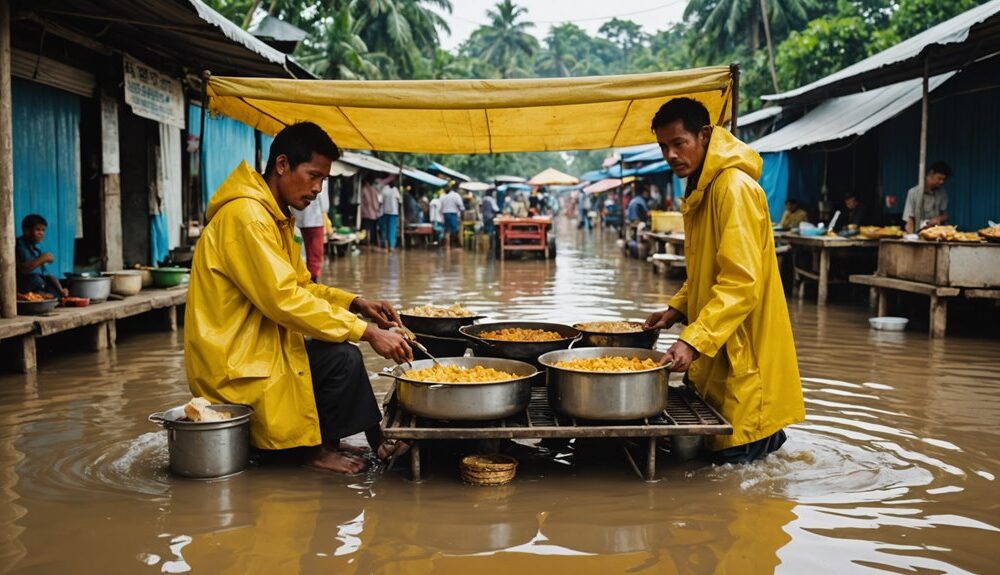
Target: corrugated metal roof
[[174, 36], [949, 46], [847, 116], [370, 163]]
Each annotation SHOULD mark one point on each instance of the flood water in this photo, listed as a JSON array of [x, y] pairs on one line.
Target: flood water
[[894, 471]]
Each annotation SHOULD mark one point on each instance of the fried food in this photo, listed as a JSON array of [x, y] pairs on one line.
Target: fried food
[[610, 326], [457, 374], [199, 409], [993, 232], [521, 334], [33, 296], [948, 234], [608, 364], [878, 232], [454, 310]]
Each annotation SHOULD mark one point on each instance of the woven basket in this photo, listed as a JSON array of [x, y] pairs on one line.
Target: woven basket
[[488, 469]]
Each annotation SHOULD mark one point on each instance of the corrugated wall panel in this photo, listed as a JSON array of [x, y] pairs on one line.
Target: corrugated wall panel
[[46, 133], [226, 144]]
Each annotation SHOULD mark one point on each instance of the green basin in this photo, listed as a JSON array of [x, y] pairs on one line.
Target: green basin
[[168, 277]]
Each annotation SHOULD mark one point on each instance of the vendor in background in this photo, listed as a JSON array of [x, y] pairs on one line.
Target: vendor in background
[[929, 208], [857, 214], [435, 216], [311, 222], [389, 200], [32, 271], [489, 210], [793, 216], [517, 207], [370, 209], [737, 348], [452, 207], [638, 207], [251, 304]]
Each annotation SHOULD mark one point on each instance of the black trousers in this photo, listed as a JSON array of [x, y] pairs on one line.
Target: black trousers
[[344, 396], [751, 451]]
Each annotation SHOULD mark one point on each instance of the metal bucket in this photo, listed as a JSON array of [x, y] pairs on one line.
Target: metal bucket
[[207, 450]]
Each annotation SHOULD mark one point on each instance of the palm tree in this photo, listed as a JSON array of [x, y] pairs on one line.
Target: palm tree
[[338, 52], [726, 24], [403, 30], [505, 42], [556, 59]]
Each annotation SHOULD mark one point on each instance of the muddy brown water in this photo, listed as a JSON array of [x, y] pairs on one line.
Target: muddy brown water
[[894, 471]]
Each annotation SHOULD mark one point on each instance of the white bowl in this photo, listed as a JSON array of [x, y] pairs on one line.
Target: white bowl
[[888, 323]]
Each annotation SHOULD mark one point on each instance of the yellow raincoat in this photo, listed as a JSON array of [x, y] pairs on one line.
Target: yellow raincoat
[[249, 304], [734, 301]]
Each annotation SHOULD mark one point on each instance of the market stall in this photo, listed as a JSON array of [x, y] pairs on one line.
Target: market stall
[[813, 257]]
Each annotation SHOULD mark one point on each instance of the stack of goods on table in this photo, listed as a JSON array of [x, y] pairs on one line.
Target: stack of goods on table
[[949, 234], [880, 232]]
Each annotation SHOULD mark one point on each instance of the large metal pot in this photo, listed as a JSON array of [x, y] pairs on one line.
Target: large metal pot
[[437, 326], [465, 401], [126, 282], [96, 288], [606, 396], [645, 339], [207, 450], [528, 351]]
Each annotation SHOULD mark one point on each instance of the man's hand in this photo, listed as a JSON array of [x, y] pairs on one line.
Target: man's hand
[[388, 344], [663, 319], [380, 311], [682, 354], [48, 258]]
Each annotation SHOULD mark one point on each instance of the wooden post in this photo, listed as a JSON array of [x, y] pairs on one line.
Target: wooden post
[[402, 208], [824, 276], [924, 104], [939, 316], [8, 235], [734, 70], [28, 358], [111, 187]]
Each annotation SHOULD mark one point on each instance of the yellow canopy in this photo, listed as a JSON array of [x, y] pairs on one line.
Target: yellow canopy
[[473, 116]]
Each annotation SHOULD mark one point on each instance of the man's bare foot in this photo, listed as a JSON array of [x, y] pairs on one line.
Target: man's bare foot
[[337, 462], [352, 449]]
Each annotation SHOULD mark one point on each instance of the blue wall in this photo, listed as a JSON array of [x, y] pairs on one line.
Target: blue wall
[[46, 133], [774, 180], [227, 142]]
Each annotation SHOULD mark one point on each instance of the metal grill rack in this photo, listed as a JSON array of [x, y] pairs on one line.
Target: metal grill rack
[[686, 415]]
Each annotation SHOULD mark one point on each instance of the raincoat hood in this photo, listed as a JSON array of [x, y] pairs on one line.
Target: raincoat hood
[[725, 151], [244, 182]]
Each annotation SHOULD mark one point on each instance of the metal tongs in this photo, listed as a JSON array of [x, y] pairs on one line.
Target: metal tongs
[[412, 339]]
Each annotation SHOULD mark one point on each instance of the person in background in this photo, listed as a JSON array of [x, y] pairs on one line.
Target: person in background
[[929, 208], [518, 206], [251, 304], [389, 200], [583, 205], [857, 214], [452, 207], [490, 210], [793, 216], [435, 215], [412, 213], [313, 227], [370, 209], [638, 207], [737, 347], [32, 263]]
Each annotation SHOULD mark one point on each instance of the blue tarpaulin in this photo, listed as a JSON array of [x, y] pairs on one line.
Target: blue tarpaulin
[[264, 143], [651, 155], [226, 144], [660, 167], [774, 180], [46, 134], [159, 249]]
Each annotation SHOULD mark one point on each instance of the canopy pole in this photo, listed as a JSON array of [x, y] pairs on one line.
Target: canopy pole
[[8, 267], [924, 104], [205, 77], [734, 71], [402, 207]]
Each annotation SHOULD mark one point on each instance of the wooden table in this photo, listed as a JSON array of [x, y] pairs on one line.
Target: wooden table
[[668, 250], [824, 246], [523, 234]]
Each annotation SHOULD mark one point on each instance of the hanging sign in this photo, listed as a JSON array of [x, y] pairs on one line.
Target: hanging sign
[[153, 95], [109, 136]]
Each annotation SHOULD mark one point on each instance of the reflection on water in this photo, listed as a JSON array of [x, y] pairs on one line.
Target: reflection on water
[[894, 471]]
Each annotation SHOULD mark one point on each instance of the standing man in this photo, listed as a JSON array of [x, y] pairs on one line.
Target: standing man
[[490, 209], [583, 205], [311, 222], [370, 209], [251, 302], [389, 199], [737, 347], [452, 207], [32, 264], [929, 208]]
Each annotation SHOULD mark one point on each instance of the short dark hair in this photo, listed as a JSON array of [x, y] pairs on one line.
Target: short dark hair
[[691, 113], [940, 168], [32, 220], [299, 142]]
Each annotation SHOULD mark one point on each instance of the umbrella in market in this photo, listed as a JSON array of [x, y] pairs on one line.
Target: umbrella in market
[[552, 177], [503, 179], [602, 186], [475, 186]]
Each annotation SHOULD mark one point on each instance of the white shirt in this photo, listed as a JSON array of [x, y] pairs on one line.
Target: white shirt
[[389, 198], [452, 203], [435, 208], [312, 215]]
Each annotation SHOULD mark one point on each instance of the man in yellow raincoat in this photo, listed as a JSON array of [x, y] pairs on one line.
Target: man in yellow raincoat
[[251, 300], [737, 347]]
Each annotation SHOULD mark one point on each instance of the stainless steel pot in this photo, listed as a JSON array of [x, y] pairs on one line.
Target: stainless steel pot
[[437, 326], [207, 450], [465, 401], [645, 339], [606, 396], [528, 351], [96, 288]]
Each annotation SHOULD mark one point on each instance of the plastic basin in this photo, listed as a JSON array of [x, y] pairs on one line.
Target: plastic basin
[[888, 323], [168, 277]]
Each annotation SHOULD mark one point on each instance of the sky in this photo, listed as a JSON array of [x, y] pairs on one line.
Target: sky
[[652, 15]]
